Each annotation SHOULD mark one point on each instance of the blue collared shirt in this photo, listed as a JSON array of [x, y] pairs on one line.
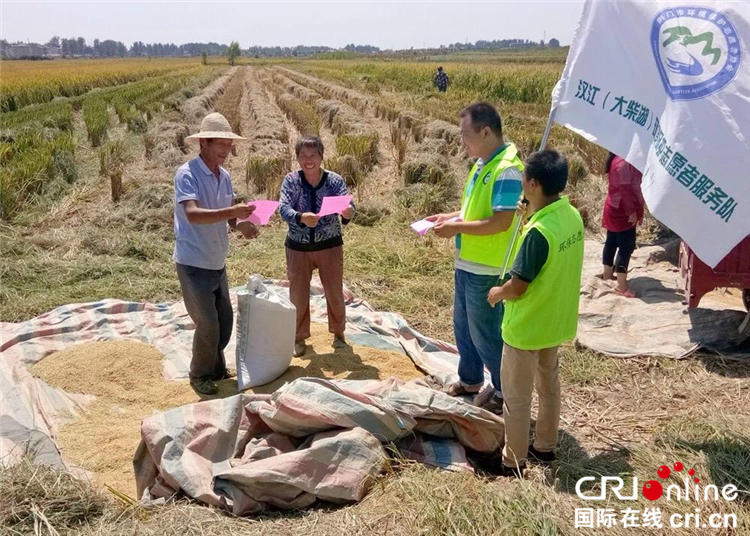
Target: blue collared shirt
[[201, 245]]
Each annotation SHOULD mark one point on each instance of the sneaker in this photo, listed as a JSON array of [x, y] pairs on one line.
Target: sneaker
[[339, 342], [542, 458], [299, 348], [494, 404], [204, 386]]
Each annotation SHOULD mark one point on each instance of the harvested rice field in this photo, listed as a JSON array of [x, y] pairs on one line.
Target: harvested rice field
[[65, 239]]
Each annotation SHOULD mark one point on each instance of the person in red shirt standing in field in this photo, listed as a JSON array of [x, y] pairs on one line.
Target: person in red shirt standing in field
[[623, 211]]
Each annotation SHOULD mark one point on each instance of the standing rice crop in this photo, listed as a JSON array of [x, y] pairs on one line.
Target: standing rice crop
[[96, 117]]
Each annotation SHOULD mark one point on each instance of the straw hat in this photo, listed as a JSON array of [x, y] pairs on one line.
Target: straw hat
[[215, 125]]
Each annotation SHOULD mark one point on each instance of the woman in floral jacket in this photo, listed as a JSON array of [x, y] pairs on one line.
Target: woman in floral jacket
[[314, 242]]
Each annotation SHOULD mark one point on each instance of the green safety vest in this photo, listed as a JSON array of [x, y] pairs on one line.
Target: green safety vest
[[489, 250], [547, 313]]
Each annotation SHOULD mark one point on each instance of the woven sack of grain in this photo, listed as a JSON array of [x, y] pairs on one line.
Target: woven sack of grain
[[266, 323]]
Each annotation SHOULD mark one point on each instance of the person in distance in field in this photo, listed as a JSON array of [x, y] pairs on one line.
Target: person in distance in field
[[441, 80], [623, 212]]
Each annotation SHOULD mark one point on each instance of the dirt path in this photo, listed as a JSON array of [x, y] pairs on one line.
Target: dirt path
[[326, 134], [235, 163]]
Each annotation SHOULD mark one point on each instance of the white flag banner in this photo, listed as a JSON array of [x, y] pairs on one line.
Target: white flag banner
[[666, 86]]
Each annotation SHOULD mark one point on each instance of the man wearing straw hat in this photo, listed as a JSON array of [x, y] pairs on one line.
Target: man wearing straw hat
[[203, 204]]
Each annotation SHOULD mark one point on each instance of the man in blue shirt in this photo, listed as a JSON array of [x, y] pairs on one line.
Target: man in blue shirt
[[203, 205], [482, 228]]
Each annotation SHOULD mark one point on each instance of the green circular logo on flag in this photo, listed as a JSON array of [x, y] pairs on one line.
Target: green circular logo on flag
[[697, 51]]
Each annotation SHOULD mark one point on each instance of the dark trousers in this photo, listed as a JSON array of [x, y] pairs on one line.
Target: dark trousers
[[622, 244], [206, 296]]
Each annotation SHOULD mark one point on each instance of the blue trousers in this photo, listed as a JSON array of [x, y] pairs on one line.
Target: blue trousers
[[478, 329]]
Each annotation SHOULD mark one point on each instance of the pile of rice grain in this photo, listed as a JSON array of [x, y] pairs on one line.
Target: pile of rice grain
[[126, 377]]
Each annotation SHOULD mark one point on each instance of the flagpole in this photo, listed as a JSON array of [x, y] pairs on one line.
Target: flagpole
[[551, 119], [519, 222]]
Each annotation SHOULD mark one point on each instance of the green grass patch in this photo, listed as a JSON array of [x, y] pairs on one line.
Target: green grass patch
[[581, 366]]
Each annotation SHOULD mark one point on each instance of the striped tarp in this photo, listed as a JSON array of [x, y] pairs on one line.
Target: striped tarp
[[30, 407], [313, 439], [168, 327]]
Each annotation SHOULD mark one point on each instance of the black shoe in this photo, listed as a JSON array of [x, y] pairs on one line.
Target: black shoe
[[513, 472], [227, 375], [204, 386], [490, 463], [542, 458], [494, 404]]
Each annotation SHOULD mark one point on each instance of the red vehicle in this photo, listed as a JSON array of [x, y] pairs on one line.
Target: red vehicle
[[732, 271]]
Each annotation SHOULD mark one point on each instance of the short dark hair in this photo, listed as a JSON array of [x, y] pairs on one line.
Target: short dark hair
[[309, 142], [483, 114], [440, 68], [549, 168]]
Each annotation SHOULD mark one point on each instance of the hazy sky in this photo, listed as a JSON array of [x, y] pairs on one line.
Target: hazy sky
[[335, 24]]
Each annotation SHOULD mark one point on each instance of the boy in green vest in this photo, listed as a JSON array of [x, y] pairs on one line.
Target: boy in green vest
[[483, 229], [541, 310]]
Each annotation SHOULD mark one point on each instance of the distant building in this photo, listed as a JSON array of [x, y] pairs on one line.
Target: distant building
[[21, 50], [27, 50]]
